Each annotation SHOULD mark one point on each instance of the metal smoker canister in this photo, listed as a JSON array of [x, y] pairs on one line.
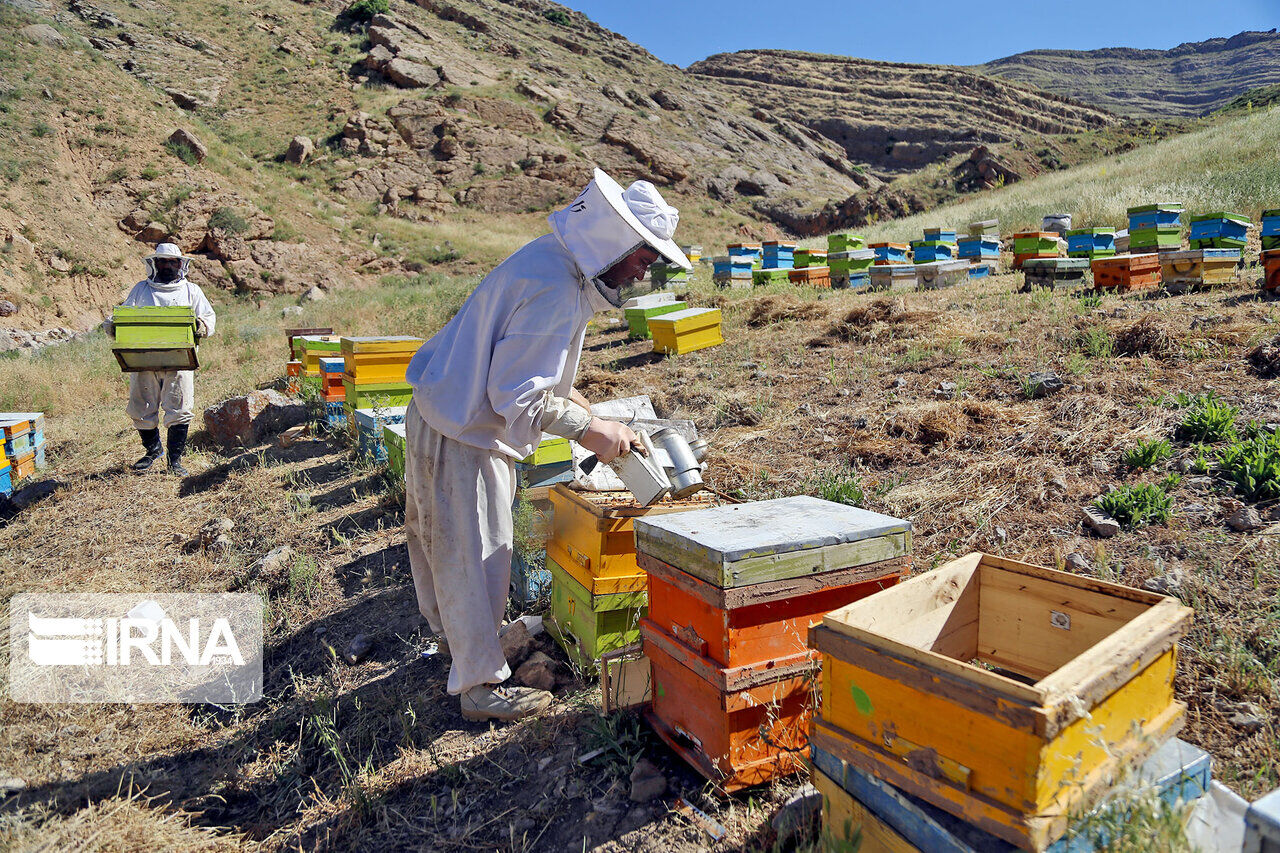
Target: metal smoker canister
[[685, 472]]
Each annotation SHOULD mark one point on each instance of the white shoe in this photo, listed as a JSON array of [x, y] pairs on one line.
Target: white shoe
[[499, 702]]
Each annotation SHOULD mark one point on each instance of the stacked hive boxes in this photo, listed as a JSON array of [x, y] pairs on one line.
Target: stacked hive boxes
[[746, 252], [1091, 243], [851, 267], [1270, 230], [779, 255], [1271, 269], [1126, 272], [664, 275], [893, 277], [890, 253], [692, 252], [732, 270], [732, 591], [154, 338], [315, 347], [811, 275], [771, 275], [845, 243], [598, 591], [640, 309], [6, 474], [1055, 272], [1005, 694], [809, 258], [295, 367], [1155, 227], [1219, 230], [23, 447], [935, 275], [1197, 268], [939, 244], [979, 248], [374, 370], [1031, 245], [333, 394], [370, 428], [685, 331]]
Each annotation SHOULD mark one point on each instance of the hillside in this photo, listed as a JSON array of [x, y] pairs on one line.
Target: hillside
[[1189, 80]]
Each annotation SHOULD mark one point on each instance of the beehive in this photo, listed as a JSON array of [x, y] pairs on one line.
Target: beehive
[[893, 277], [1034, 245], [17, 435], [893, 820], [748, 253], [1198, 268], [686, 331], [393, 436], [6, 476], [693, 252], [989, 227], [638, 316], [851, 281], [369, 424], [852, 262], [1262, 825], [771, 275], [1270, 230], [587, 624], [1155, 239], [1271, 269], [380, 395], [779, 255], [378, 360], [1126, 272], [732, 592], [808, 257], [940, 274], [1160, 215], [291, 336], [23, 466], [979, 247], [926, 251], [811, 276], [551, 449], [845, 242], [663, 274], [1055, 272], [331, 380], [941, 235], [155, 338], [315, 347], [982, 269], [890, 253], [1219, 230], [915, 690], [1091, 242]]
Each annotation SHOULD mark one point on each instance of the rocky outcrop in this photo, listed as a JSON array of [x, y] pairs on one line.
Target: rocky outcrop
[[249, 419]]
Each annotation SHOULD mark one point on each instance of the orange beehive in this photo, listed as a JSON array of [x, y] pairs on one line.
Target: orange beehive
[[1271, 266], [758, 623], [811, 276], [23, 466], [1126, 272]]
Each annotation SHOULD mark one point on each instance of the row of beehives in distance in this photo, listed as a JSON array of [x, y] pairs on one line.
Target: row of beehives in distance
[[943, 717], [22, 449]]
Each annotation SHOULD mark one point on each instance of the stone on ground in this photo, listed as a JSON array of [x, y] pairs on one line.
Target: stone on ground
[[248, 419]]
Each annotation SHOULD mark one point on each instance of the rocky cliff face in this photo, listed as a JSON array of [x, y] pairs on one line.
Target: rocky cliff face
[[1191, 79]]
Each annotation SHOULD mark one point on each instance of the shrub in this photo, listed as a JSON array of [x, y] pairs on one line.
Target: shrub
[[116, 175], [183, 152], [1097, 342], [1208, 419], [364, 10], [842, 487], [1147, 453], [226, 219], [1134, 506], [559, 17], [1253, 466]]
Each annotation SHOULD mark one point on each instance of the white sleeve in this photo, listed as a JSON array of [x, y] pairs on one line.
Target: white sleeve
[[564, 418], [204, 311]]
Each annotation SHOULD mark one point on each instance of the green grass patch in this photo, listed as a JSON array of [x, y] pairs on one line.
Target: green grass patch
[[1208, 419], [1253, 466], [1134, 506], [1147, 453]]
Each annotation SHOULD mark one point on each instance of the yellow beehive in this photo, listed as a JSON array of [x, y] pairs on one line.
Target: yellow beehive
[[314, 348], [685, 331], [375, 360], [1007, 694]]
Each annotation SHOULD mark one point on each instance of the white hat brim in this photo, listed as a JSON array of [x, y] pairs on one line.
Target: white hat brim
[[612, 192]]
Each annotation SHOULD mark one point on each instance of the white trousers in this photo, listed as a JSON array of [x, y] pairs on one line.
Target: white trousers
[[458, 525], [153, 391]]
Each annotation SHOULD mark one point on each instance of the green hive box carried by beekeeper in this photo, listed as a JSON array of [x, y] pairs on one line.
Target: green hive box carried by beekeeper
[[156, 332]]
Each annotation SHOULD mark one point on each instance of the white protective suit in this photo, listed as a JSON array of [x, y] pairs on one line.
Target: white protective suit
[[484, 390], [169, 391]]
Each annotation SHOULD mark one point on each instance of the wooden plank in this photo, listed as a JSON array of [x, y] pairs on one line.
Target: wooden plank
[[914, 600], [844, 818]]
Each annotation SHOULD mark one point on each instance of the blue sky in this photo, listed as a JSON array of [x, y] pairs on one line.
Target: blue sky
[[949, 33]]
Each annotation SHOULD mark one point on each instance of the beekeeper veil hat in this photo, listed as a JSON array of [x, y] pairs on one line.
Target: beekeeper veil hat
[[167, 251], [605, 223]]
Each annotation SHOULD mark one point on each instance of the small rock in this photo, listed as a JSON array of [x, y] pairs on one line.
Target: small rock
[[43, 34], [60, 263], [1078, 563], [1248, 719], [7, 308], [647, 782], [1101, 523], [1042, 384], [215, 528], [946, 390], [1245, 519], [315, 294], [219, 546], [1170, 583], [188, 140], [898, 382], [517, 644], [291, 311], [1001, 534], [797, 812], [300, 150], [537, 672], [20, 247], [11, 785], [358, 649], [273, 561]]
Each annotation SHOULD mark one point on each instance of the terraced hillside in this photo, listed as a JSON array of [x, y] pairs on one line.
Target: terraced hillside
[[1189, 80]]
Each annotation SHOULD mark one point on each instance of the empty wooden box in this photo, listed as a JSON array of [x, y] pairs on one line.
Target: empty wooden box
[[1007, 694], [1055, 272], [155, 338], [686, 331], [1126, 272]]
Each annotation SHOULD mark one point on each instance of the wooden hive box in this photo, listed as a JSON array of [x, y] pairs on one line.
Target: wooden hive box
[[771, 275], [592, 536], [894, 821], [890, 253], [587, 625], [686, 331], [778, 254], [663, 274], [23, 466], [638, 317], [373, 360], [6, 478], [980, 247], [550, 450], [851, 281], [939, 274], [1271, 269], [852, 261], [1262, 825], [1007, 694], [845, 242], [943, 235], [155, 338], [369, 424], [893, 277], [1270, 229], [985, 226], [315, 347], [1219, 230], [1055, 272], [811, 276], [380, 395], [393, 437], [982, 269], [1150, 239], [1198, 268], [291, 335], [1161, 215], [1126, 272], [1039, 243], [931, 250], [1091, 242], [800, 258]]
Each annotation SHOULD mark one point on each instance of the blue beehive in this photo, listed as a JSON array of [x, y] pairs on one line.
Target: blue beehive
[[1091, 242], [941, 235], [779, 256], [928, 251], [1163, 215], [332, 365], [335, 416], [369, 429], [983, 246], [1219, 230], [1270, 229], [890, 253], [982, 270]]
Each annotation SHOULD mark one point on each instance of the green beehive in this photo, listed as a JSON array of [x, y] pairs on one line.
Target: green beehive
[[845, 242], [155, 338], [770, 276], [377, 395], [393, 438], [1156, 238], [587, 625], [638, 318]]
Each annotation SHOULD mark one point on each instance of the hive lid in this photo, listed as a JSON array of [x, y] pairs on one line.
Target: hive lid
[[1077, 232], [688, 313], [649, 300], [382, 343], [1163, 205], [740, 531]]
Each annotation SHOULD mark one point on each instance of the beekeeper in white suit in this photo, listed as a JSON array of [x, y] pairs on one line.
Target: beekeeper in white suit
[[485, 388], [171, 392]]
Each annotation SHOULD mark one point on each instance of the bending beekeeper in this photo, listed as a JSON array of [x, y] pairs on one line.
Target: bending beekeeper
[[171, 392], [485, 388]]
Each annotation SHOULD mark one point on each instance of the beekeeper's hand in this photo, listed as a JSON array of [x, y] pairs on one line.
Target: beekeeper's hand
[[609, 439]]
